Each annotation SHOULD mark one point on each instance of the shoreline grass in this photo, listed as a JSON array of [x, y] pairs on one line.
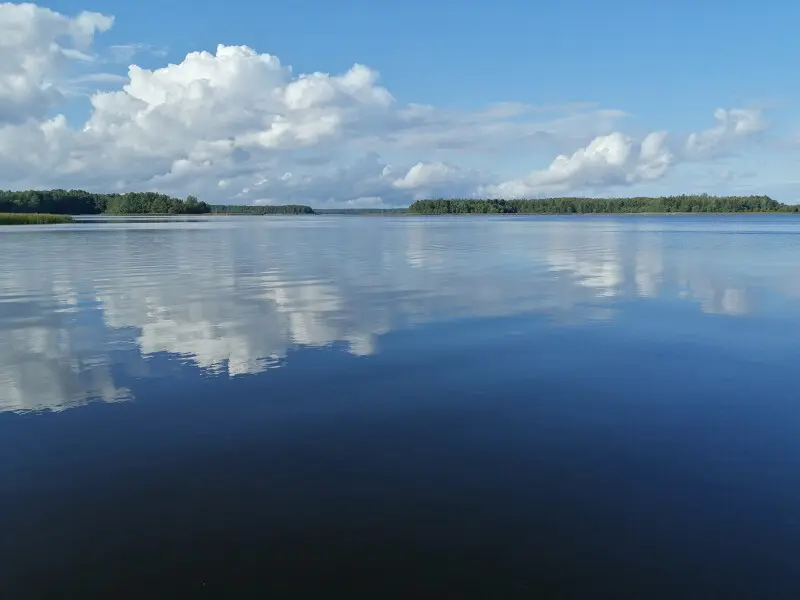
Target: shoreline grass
[[33, 219]]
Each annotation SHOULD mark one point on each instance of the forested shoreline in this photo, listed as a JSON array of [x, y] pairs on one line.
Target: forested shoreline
[[702, 203], [80, 202]]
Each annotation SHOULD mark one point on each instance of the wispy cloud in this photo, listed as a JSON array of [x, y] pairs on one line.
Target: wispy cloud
[[124, 53]]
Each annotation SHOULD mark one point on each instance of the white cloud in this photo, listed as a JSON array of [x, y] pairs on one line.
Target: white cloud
[[613, 159], [617, 160], [366, 182], [499, 129], [422, 174], [36, 47], [124, 53], [732, 124], [237, 125]]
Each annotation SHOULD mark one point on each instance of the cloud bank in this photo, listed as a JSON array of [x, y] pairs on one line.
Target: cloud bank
[[238, 126]]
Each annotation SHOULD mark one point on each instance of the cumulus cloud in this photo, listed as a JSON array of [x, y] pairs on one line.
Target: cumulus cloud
[[422, 174], [436, 179], [233, 98], [618, 160], [36, 46], [366, 182], [612, 159], [732, 124], [237, 125]]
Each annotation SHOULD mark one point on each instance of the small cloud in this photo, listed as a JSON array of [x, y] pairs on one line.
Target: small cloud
[[73, 54], [732, 124], [110, 78], [366, 202], [125, 53]]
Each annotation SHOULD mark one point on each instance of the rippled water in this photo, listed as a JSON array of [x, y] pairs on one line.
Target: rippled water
[[489, 407]]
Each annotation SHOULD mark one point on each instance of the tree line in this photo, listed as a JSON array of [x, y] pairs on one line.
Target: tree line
[[702, 203], [80, 202]]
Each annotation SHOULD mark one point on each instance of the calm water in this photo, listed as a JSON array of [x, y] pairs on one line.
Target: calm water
[[448, 407]]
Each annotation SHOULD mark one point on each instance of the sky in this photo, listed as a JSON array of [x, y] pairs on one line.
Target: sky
[[360, 103]]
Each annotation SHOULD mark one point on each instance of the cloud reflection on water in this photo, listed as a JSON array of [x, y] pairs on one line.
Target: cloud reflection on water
[[235, 297]]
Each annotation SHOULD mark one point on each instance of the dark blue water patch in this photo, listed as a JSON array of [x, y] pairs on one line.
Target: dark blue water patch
[[476, 458]]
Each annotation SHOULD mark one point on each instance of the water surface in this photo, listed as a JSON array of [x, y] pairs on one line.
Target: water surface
[[494, 407]]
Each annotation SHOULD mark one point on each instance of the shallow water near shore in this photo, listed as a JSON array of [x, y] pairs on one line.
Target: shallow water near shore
[[492, 407]]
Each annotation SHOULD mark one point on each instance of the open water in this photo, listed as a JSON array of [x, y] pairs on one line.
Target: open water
[[453, 407]]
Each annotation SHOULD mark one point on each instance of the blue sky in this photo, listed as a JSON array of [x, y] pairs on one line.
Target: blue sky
[[666, 66], [653, 59]]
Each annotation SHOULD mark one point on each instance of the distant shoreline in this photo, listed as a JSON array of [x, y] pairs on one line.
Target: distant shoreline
[[683, 204], [59, 206]]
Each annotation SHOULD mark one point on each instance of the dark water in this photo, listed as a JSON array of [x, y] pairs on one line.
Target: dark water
[[389, 407]]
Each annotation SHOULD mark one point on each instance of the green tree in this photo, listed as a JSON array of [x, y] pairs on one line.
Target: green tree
[[567, 205]]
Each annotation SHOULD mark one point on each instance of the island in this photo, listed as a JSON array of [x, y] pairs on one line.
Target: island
[[702, 203]]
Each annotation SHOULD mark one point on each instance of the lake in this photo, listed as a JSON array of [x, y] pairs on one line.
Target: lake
[[489, 407]]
